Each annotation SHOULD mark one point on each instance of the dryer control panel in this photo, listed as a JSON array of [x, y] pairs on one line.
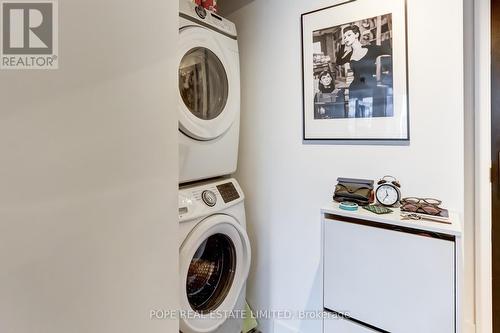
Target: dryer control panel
[[191, 11], [208, 198]]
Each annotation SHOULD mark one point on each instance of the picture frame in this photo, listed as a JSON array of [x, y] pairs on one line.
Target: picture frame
[[355, 72]]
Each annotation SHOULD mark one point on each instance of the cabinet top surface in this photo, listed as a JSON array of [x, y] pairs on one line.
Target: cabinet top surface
[[394, 218]]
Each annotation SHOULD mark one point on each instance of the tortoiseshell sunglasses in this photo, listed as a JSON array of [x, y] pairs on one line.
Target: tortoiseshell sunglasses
[[421, 205]]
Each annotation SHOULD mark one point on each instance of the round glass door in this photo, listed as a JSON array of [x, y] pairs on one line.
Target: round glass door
[[211, 273], [203, 83]]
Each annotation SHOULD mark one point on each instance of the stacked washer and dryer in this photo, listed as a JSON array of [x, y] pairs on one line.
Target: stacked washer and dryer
[[214, 246]]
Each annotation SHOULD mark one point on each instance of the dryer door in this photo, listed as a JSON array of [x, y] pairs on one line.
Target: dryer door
[[206, 82], [214, 265]]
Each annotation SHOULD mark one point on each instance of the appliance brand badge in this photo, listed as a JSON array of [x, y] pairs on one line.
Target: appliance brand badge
[[29, 35]]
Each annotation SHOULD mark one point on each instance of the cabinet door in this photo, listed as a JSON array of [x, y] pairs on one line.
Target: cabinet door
[[340, 325], [395, 281]]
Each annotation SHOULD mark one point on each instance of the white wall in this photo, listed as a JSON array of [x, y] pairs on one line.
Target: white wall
[[287, 181], [88, 176], [226, 7]]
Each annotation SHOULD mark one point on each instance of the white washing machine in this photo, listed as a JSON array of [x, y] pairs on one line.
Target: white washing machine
[[214, 257], [209, 94]]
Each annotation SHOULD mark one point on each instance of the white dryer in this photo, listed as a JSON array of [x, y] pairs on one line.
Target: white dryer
[[209, 94], [214, 257]]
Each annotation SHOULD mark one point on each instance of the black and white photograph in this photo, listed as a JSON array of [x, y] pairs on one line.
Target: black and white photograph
[[353, 69], [351, 89]]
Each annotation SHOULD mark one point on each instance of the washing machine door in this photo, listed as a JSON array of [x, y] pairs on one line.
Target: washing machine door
[[214, 265], [207, 83]]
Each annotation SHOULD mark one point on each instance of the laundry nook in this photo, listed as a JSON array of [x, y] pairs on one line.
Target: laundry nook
[[250, 166]]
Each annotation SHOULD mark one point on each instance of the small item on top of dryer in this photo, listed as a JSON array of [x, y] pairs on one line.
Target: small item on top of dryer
[[207, 4], [210, 5]]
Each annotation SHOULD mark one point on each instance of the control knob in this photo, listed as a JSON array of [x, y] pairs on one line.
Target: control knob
[[202, 12], [209, 198]]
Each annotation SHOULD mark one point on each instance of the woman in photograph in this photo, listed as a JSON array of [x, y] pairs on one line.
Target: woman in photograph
[[362, 60], [329, 102]]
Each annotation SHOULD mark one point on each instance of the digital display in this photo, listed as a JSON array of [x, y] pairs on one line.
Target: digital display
[[228, 192]]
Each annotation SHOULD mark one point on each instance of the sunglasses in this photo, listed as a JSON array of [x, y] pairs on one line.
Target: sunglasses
[[419, 205]]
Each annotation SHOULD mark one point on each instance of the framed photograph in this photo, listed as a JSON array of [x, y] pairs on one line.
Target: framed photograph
[[354, 61]]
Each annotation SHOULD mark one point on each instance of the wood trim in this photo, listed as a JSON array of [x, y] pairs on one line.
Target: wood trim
[[483, 290]]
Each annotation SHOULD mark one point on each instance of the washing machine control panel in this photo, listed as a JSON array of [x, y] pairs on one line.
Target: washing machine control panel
[[198, 200]]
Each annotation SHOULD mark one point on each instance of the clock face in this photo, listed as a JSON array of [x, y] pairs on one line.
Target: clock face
[[387, 195]]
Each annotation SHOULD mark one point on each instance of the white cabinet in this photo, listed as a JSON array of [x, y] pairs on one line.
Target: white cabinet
[[392, 275]]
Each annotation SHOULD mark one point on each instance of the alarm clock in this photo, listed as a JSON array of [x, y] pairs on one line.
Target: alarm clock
[[388, 191]]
